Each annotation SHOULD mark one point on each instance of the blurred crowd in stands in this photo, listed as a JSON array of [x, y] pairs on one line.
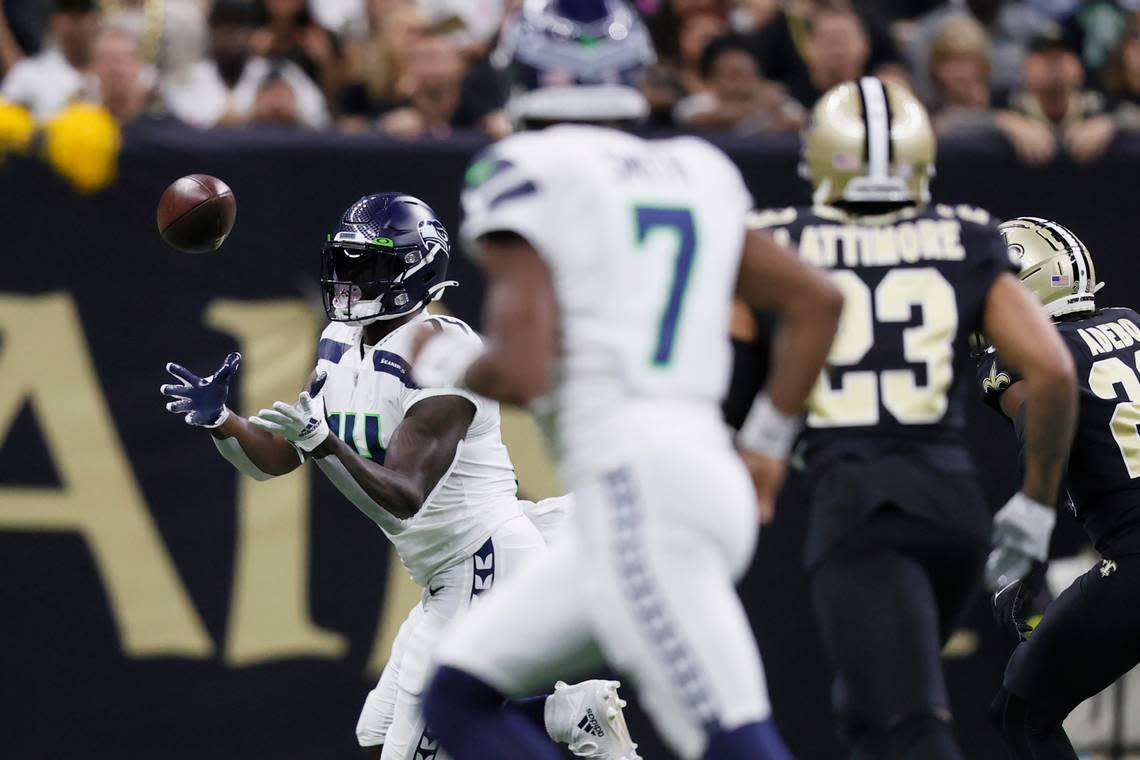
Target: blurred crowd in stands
[[1048, 75]]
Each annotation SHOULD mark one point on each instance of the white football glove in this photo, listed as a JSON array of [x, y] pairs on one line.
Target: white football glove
[[302, 423], [1022, 529]]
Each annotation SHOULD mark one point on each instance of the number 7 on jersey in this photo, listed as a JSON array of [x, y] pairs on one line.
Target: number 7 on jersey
[[679, 221]]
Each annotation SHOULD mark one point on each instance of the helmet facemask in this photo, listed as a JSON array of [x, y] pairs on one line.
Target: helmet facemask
[[362, 283]]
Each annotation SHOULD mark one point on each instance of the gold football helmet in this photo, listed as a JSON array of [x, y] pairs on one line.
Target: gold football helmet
[[869, 141], [1055, 265]]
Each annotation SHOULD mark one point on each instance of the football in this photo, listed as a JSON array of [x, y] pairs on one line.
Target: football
[[196, 213]]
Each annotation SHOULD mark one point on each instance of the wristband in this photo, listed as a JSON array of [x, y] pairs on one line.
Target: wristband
[[444, 359], [768, 431]]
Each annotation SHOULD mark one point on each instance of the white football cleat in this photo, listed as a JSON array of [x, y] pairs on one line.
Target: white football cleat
[[599, 729]]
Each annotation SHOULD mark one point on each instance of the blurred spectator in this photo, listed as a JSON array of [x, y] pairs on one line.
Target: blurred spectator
[[898, 10], [666, 22], [737, 97], [347, 19], [1052, 79], [11, 51], [960, 69], [377, 64], [960, 66], [23, 28], [677, 72], [837, 49], [58, 74], [693, 36], [752, 15], [784, 45], [223, 90], [1089, 139], [436, 74], [291, 33], [1093, 28], [1011, 25], [171, 33], [1122, 70], [126, 81], [275, 102], [472, 23]]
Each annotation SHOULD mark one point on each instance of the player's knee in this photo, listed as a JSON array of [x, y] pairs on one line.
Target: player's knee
[[753, 740], [925, 735]]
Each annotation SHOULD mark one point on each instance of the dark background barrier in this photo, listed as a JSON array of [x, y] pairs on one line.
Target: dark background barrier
[[150, 606]]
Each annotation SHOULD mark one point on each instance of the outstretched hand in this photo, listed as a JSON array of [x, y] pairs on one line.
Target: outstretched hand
[[202, 400], [302, 423]]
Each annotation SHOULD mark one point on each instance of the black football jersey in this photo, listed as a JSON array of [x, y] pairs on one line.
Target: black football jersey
[[1103, 477], [884, 420], [915, 283]]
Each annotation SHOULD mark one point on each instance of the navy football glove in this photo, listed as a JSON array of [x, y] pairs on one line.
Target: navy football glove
[[201, 399]]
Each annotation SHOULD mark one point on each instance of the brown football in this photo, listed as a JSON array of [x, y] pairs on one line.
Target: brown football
[[196, 213]]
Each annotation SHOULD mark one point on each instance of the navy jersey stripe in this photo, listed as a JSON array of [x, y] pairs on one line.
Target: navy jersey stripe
[[518, 191], [395, 365], [452, 321], [331, 349]]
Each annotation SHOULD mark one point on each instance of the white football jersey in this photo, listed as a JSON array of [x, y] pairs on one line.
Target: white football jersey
[[643, 239], [367, 394]]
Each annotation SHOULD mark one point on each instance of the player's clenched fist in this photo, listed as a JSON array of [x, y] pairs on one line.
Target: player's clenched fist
[[201, 399], [302, 423]]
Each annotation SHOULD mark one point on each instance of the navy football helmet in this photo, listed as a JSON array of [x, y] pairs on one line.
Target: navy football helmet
[[574, 61], [386, 258]]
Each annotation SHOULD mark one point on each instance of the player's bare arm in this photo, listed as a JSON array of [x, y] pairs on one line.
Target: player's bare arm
[[1026, 340], [773, 278], [272, 454], [1046, 406], [418, 456], [520, 326]]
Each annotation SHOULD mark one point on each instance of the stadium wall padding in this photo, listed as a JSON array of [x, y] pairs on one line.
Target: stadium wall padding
[[153, 605]]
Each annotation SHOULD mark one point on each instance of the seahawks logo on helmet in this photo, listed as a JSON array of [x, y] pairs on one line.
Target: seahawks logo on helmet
[[995, 382], [433, 234]]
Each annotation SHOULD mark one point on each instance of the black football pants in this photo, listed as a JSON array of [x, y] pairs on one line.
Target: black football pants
[[886, 598], [1088, 638]]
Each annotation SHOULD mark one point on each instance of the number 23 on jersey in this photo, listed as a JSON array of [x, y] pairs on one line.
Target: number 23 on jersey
[[855, 398]]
